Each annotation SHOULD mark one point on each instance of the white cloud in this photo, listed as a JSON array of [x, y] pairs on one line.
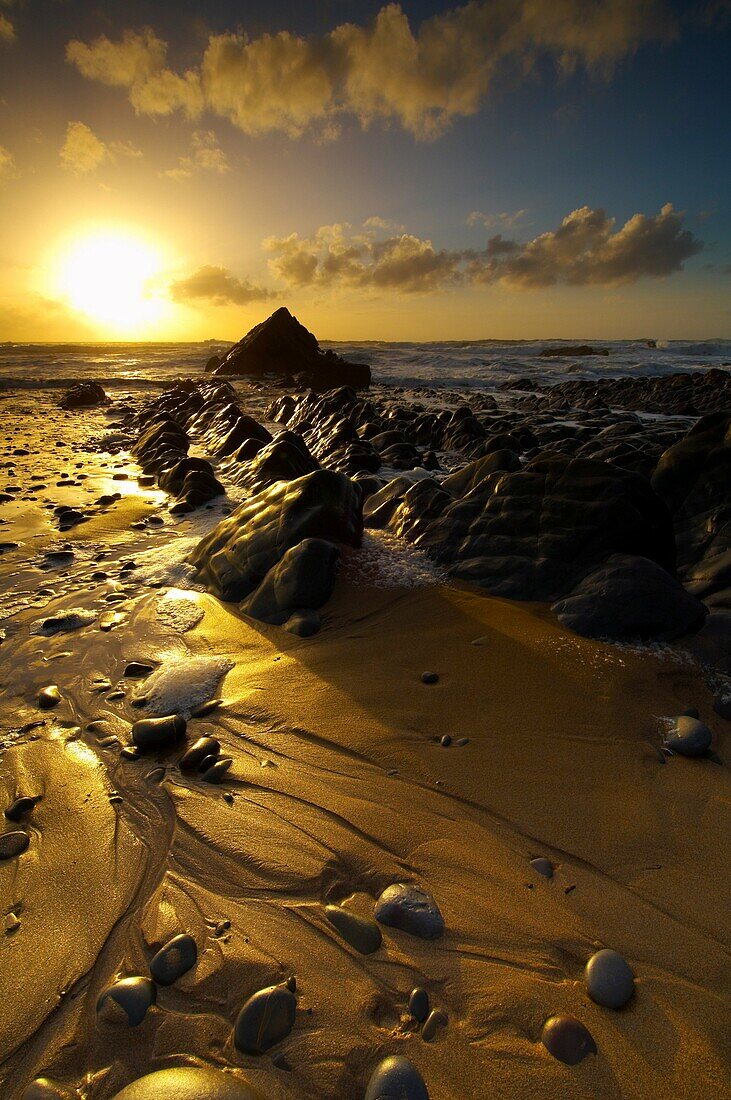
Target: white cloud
[[206, 156], [219, 286], [491, 221], [82, 151], [421, 79]]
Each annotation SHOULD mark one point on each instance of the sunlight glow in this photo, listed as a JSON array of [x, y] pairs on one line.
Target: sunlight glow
[[110, 275]]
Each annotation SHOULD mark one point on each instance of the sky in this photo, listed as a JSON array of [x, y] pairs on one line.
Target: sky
[[498, 169]]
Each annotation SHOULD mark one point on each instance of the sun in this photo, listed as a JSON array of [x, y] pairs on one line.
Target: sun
[[109, 275]]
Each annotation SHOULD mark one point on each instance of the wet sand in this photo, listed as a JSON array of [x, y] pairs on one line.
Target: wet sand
[[339, 787]]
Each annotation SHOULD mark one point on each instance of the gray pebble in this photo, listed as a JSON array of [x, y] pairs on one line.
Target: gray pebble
[[19, 808], [362, 934], [49, 697], [419, 1004], [265, 1019], [434, 1021], [158, 733], [609, 980], [445, 740], [173, 960], [429, 677], [542, 866], [216, 772], [689, 737], [133, 995], [13, 844], [194, 756], [567, 1040], [411, 909], [396, 1078]]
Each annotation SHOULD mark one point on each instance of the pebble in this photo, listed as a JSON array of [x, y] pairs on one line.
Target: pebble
[[173, 960], [396, 1078], [360, 932], [419, 1004], [411, 909], [434, 1021], [609, 979], [445, 740], [132, 995], [188, 1083], [216, 771], [689, 737], [49, 697], [19, 808], [135, 670], [43, 1088], [430, 677], [12, 923], [567, 1040], [266, 1018], [13, 844], [542, 866], [158, 733], [194, 756]]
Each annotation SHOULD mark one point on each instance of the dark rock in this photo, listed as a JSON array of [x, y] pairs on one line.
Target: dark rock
[[158, 733], [396, 1078], [174, 959], [434, 1021], [49, 697], [542, 866], [216, 770], [430, 677], [689, 737], [630, 597], [282, 345], [13, 844], [136, 670], [266, 1019], [84, 395], [43, 1088], [194, 756], [133, 996], [303, 623], [303, 579], [567, 1040], [609, 980], [188, 1083], [19, 808], [419, 1004], [362, 934], [411, 909]]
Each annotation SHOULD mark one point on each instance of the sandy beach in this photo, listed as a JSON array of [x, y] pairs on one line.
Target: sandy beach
[[346, 774]]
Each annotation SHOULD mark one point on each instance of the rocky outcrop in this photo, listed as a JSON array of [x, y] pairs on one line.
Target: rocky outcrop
[[85, 395], [630, 598], [281, 345]]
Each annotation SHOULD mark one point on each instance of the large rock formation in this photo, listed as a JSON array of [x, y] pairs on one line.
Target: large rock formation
[[281, 345], [85, 395]]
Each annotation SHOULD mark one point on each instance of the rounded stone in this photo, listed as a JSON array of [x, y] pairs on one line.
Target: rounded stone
[[19, 808], [132, 995], [419, 1004], [411, 909], [13, 844], [689, 737], [174, 959], [542, 866], [216, 771], [445, 740], [158, 733], [434, 1021], [49, 697], [266, 1018], [567, 1040], [396, 1078], [430, 677], [362, 934], [609, 980], [188, 1083], [194, 756], [43, 1088]]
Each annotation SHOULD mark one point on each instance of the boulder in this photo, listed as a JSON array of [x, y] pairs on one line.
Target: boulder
[[85, 395], [302, 580], [281, 345], [630, 597]]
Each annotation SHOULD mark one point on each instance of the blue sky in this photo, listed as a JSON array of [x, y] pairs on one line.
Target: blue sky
[[620, 106]]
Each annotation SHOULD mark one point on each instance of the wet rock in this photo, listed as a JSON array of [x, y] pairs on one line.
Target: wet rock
[[630, 597], [128, 997], [266, 1018], [197, 753], [13, 844], [303, 579], [429, 677], [215, 772], [609, 979], [282, 345], [689, 737], [189, 1083], [567, 1040], [542, 866], [19, 808], [303, 623], [362, 934], [409, 908], [83, 396], [158, 733], [49, 697], [396, 1078], [69, 620], [434, 1021], [173, 960], [136, 670], [419, 1004], [43, 1088]]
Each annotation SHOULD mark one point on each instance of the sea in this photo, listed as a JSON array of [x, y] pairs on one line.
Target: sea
[[481, 364]]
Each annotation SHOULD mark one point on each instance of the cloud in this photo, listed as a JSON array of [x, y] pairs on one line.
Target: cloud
[[8, 169], [7, 31], [491, 221], [585, 250], [82, 151], [421, 79], [217, 285], [206, 156]]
